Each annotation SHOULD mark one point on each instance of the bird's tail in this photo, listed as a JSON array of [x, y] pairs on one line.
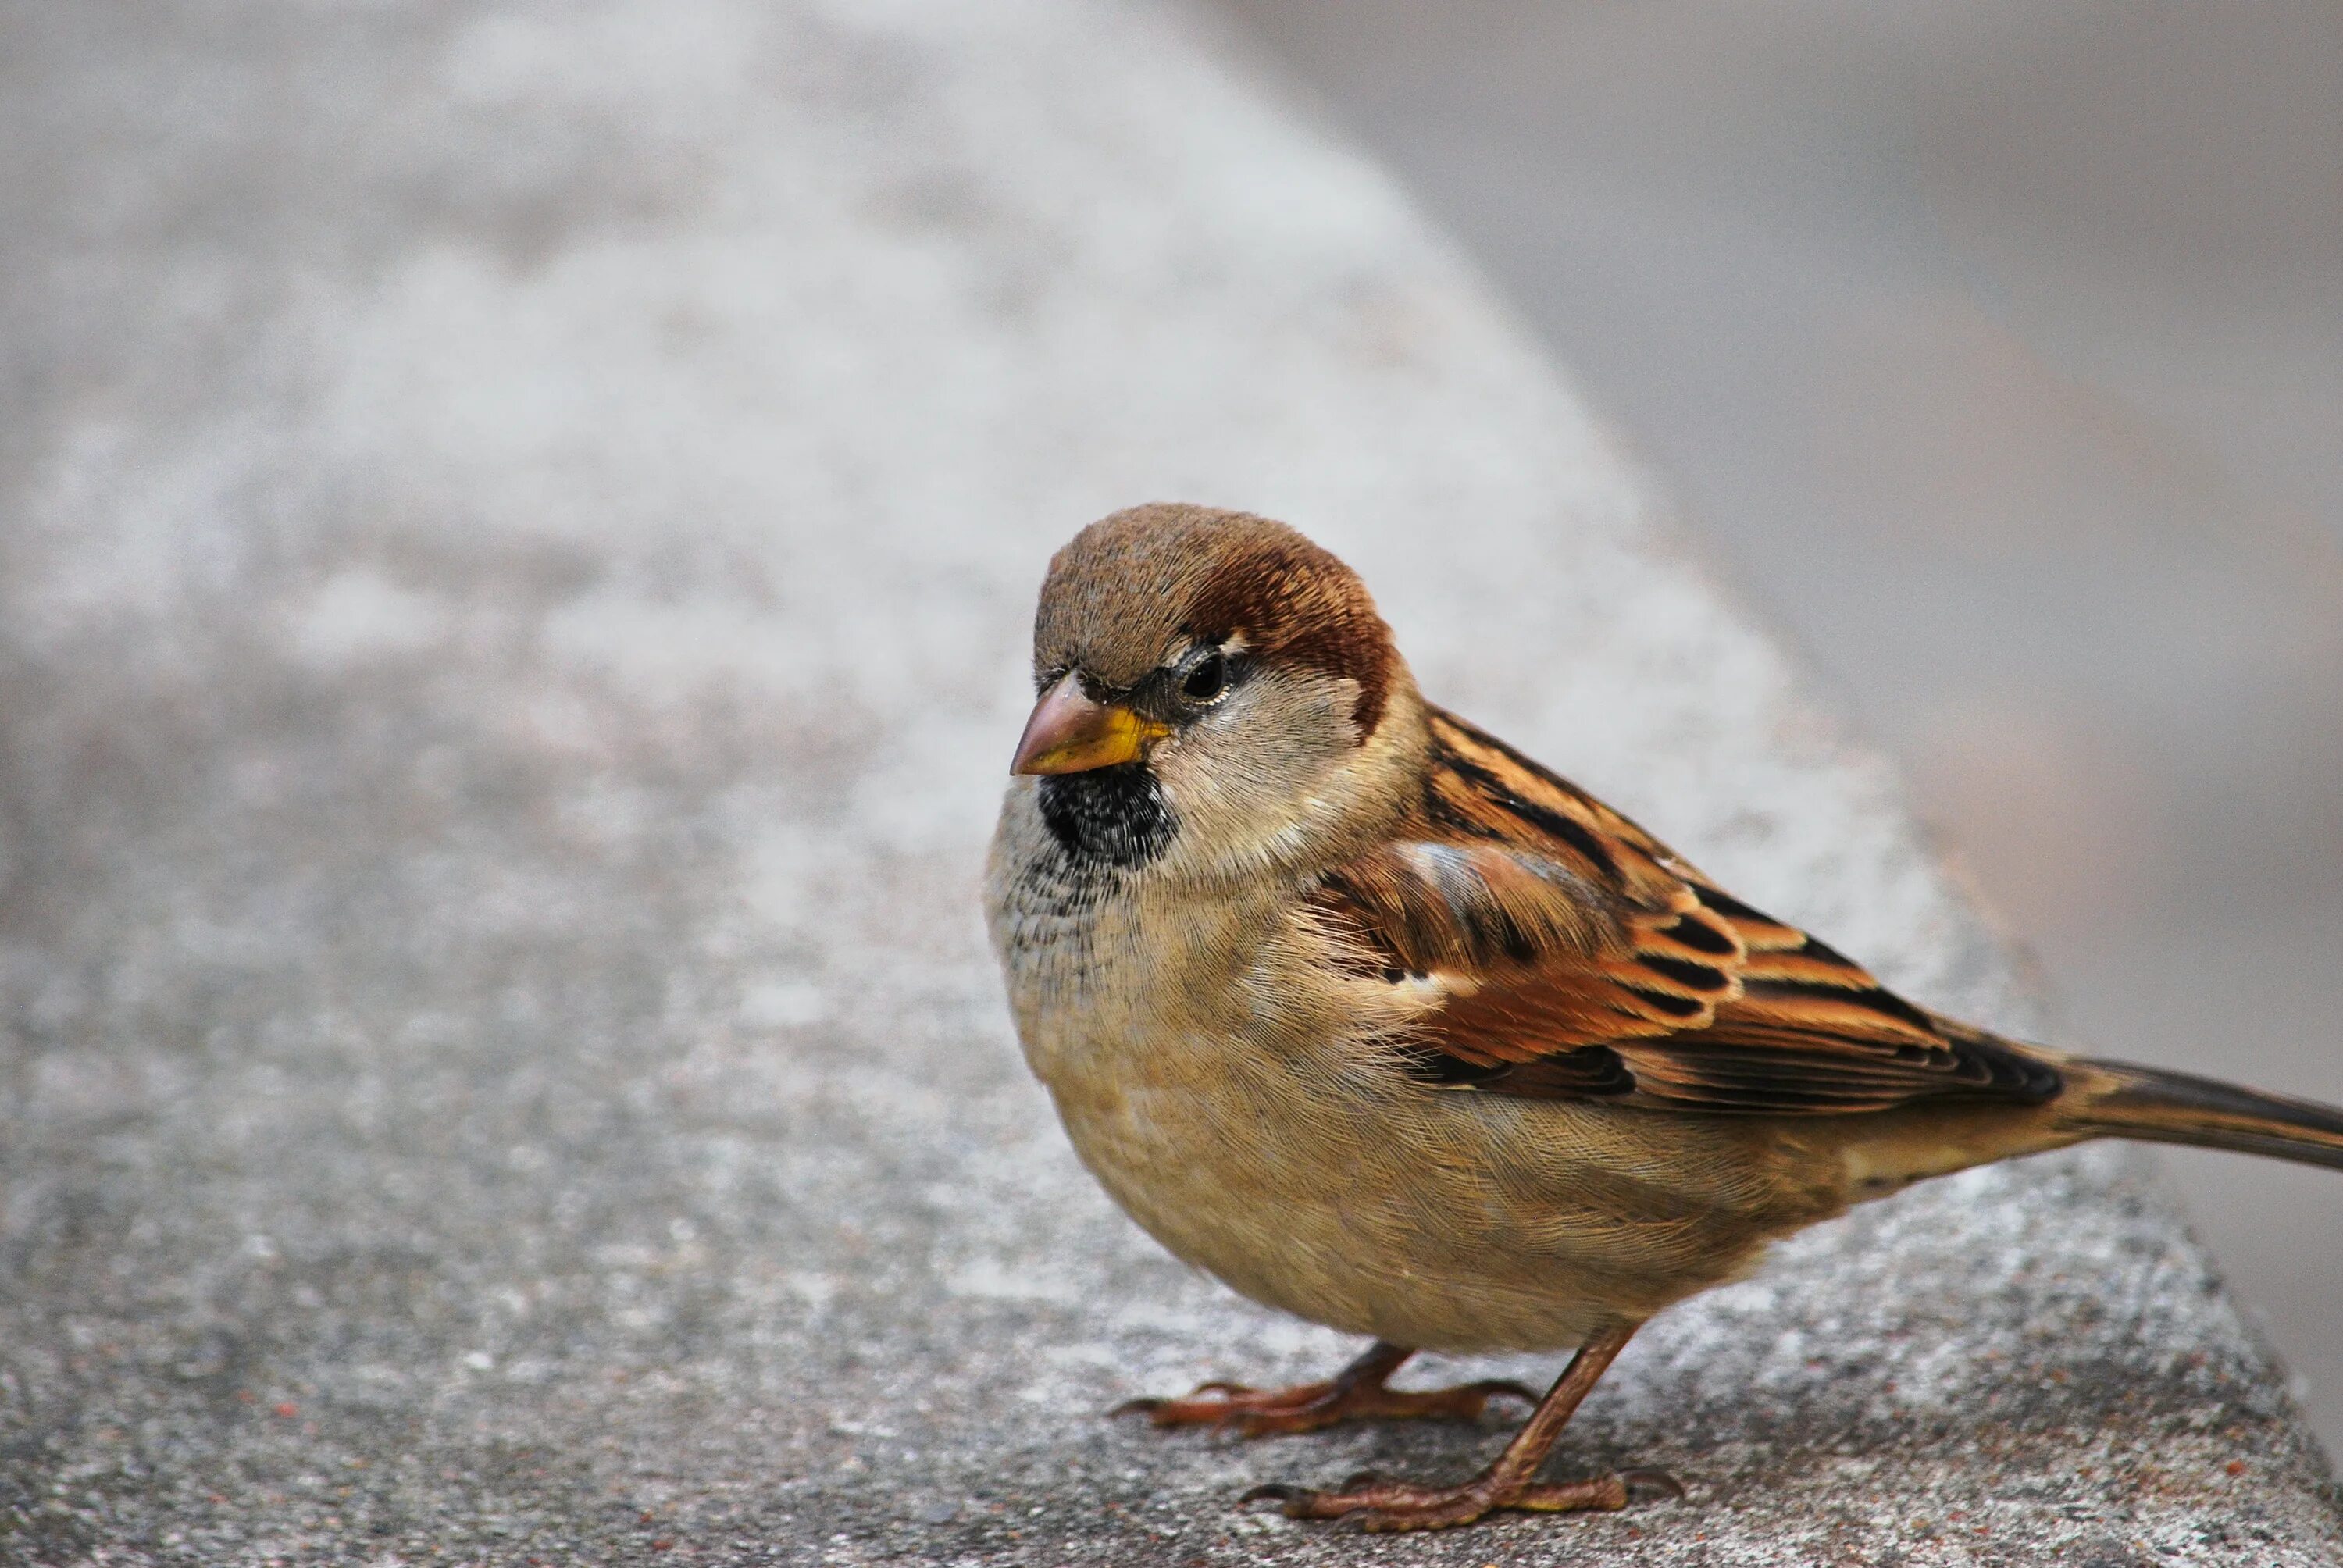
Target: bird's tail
[[2118, 1099]]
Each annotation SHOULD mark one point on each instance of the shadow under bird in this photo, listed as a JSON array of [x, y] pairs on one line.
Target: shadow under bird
[[1360, 1009]]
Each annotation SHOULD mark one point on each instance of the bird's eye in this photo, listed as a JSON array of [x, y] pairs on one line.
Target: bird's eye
[[1206, 678]]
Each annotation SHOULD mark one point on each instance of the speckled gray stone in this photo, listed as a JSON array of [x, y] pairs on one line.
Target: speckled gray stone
[[519, 523]]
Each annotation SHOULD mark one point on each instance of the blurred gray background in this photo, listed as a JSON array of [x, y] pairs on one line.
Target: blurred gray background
[[1998, 350]]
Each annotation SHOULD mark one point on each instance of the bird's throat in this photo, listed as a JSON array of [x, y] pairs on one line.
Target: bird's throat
[[1117, 816]]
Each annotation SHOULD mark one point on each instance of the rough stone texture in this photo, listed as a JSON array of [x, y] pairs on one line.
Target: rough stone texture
[[519, 525]]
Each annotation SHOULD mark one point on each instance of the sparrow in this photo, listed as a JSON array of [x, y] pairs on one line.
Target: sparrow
[[1358, 1009]]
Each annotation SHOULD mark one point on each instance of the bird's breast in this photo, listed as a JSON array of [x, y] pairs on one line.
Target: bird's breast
[[1239, 1093]]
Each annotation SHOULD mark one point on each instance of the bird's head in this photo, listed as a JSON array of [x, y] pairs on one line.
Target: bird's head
[[1217, 695]]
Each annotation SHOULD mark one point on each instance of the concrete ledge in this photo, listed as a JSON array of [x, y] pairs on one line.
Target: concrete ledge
[[519, 527]]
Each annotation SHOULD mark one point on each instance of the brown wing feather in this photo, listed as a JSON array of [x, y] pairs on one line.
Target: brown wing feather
[[1577, 957]]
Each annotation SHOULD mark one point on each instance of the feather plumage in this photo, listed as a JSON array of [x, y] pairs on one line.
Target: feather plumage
[[1578, 957]]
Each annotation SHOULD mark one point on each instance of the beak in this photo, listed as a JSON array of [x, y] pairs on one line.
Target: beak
[[1069, 733]]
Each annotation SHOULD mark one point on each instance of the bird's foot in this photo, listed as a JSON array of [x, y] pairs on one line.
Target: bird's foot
[[1260, 1412], [1377, 1505]]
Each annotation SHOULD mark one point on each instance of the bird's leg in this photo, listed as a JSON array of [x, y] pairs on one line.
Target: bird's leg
[[1509, 1482], [1357, 1392]]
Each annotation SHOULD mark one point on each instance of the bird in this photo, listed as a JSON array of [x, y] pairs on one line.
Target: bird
[[1362, 1011]]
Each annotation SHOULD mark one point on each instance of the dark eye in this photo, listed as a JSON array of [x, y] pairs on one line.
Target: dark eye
[[1206, 678]]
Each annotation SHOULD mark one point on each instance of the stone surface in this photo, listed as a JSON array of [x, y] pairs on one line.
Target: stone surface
[[520, 526]]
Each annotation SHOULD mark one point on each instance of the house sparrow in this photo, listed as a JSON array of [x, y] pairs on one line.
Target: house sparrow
[[1357, 1007]]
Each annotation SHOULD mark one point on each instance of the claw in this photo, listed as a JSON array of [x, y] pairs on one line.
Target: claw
[[1496, 1386], [1656, 1480]]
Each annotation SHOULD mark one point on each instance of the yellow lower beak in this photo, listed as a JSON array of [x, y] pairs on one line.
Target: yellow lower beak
[[1069, 733]]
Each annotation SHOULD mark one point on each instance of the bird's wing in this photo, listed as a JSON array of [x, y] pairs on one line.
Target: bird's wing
[[1575, 955]]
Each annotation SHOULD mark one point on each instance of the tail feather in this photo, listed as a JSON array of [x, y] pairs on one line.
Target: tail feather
[[2118, 1099]]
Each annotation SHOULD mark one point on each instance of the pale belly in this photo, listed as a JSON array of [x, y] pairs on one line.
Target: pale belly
[[1437, 1219]]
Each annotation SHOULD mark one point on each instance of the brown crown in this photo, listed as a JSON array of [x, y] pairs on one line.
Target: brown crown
[[1132, 586]]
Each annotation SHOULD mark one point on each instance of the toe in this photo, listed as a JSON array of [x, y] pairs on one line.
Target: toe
[[1600, 1495], [1460, 1508]]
